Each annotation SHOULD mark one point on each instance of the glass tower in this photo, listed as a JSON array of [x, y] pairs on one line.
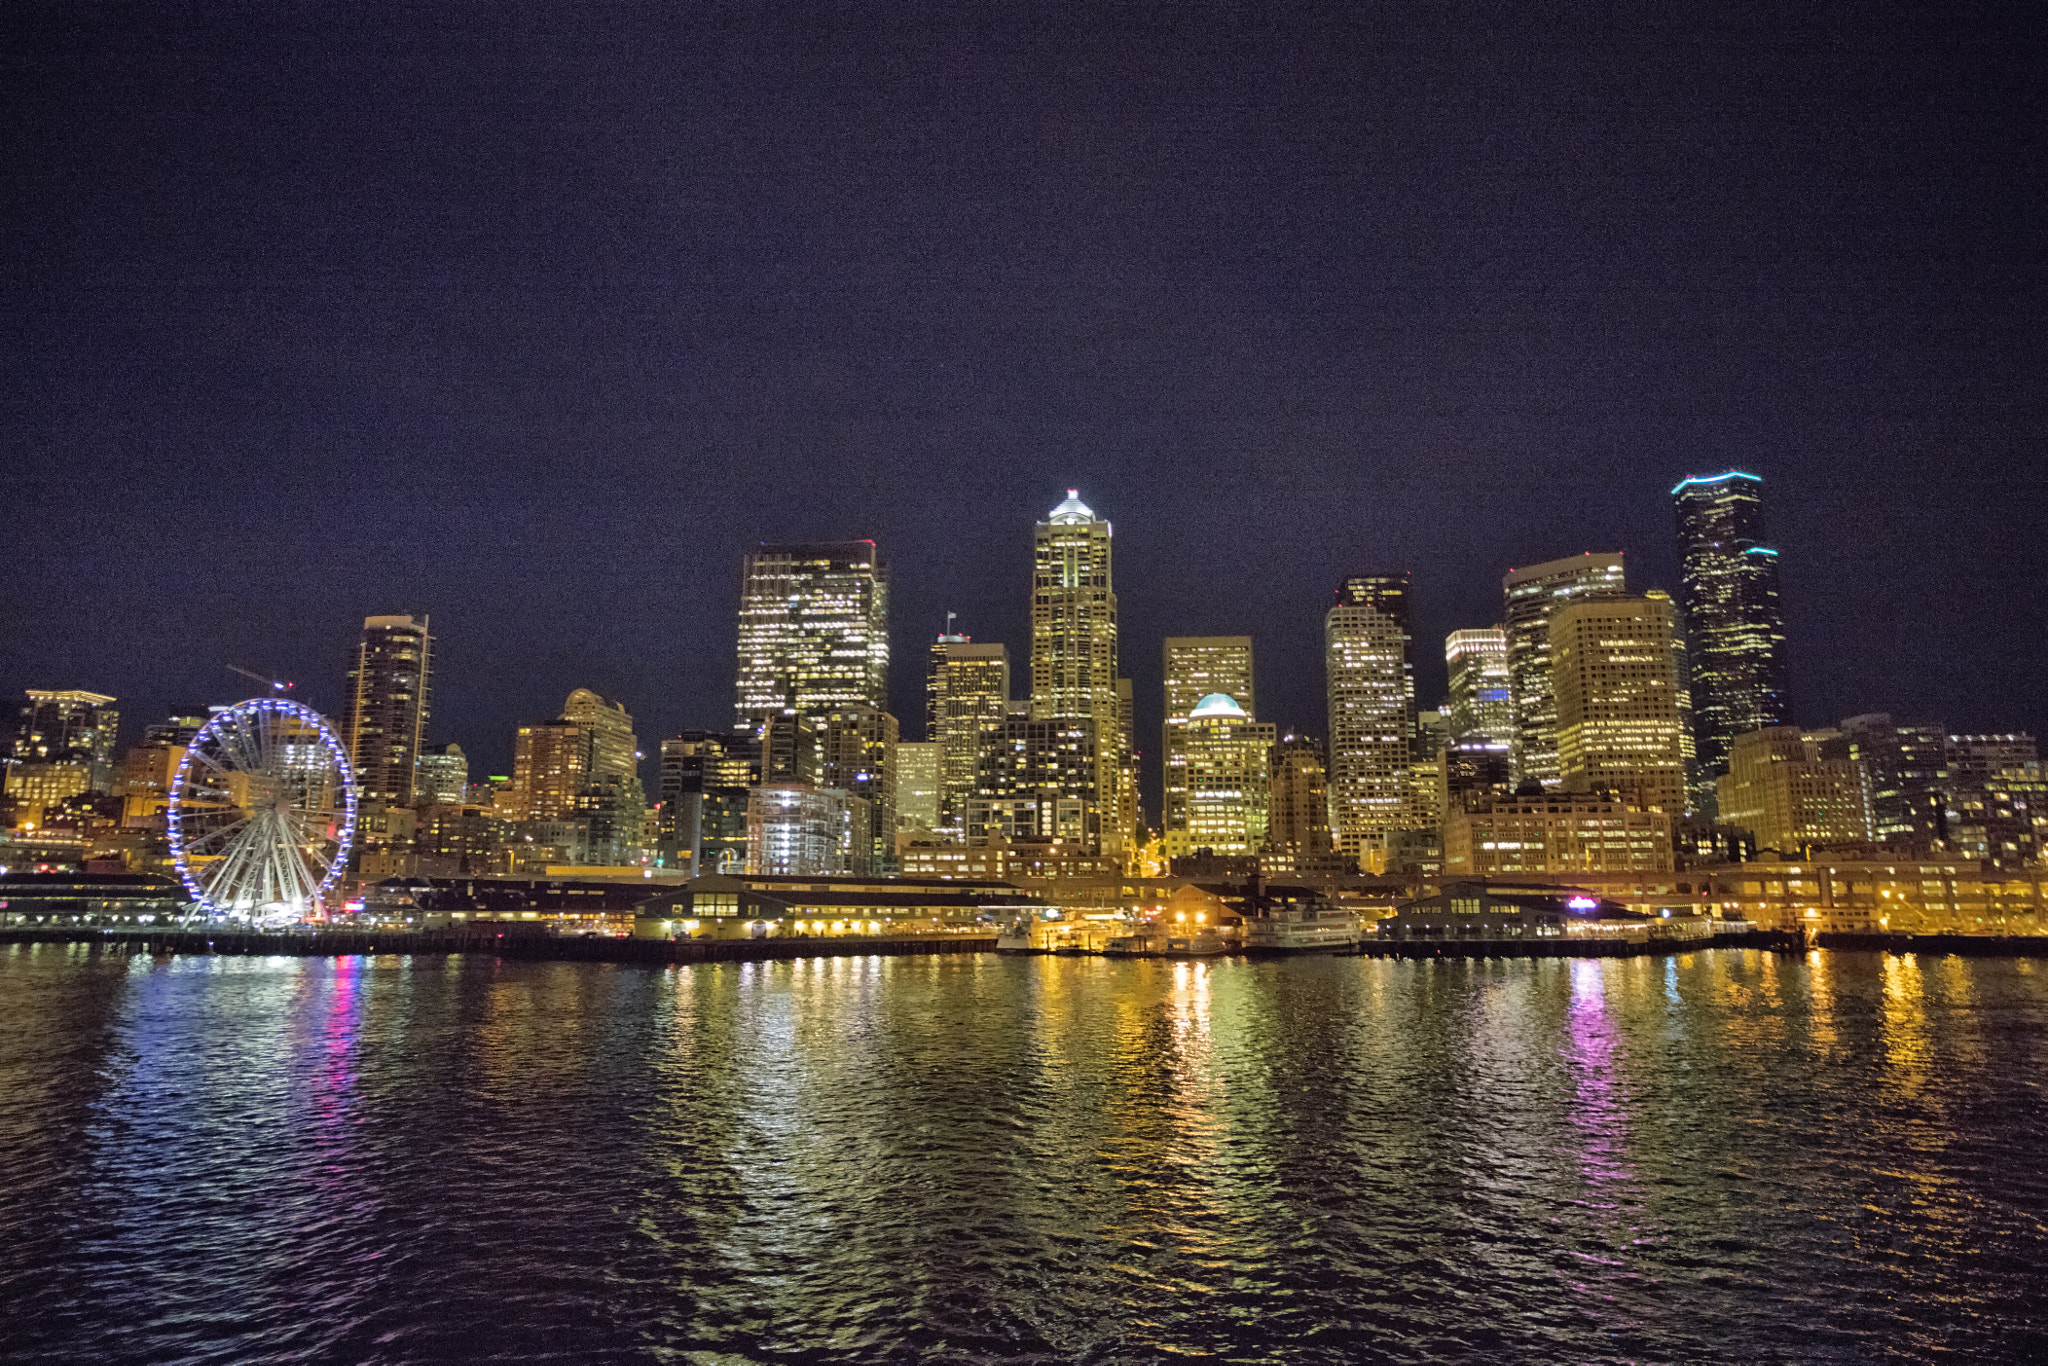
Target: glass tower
[[1195, 667], [1371, 687], [390, 692], [1074, 649], [1734, 629], [1482, 700], [814, 630], [1530, 597]]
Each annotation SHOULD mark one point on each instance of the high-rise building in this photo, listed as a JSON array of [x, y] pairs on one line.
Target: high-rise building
[[583, 768], [814, 630], [1530, 596], [1474, 772], [1074, 653], [1370, 679], [1196, 667], [1905, 764], [1038, 780], [857, 752], [794, 829], [1613, 677], [390, 695], [1228, 777], [1782, 788], [705, 779], [1482, 700], [1974, 760], [1734, 625], [1557, 832], [443, 775], [68, 726], [1298, 814], [917, 785], [968, 699]]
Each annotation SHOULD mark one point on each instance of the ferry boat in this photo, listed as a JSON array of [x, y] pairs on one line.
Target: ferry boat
[[1297, 920], [1155, 945]]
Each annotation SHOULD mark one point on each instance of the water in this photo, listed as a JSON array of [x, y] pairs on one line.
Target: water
[[1725, 1156]]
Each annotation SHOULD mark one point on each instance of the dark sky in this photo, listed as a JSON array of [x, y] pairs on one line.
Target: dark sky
[[534, 316]]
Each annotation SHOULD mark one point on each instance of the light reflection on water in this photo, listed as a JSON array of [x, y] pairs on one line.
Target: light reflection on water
[[1714, 1155]]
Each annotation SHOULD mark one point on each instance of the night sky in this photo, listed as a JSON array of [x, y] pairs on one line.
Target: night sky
[[534, 317]]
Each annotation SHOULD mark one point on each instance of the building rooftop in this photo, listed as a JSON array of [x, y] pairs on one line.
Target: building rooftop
[[1072, 510], [1218, 704]]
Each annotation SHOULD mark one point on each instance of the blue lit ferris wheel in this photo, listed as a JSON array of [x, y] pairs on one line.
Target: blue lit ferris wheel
[[262, 812]]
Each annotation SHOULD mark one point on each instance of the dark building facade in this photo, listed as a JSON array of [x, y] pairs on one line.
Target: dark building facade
[[1733, 622]]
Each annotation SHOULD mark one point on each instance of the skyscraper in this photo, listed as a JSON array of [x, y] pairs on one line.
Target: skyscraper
[[814, 630], [1734, 626], [67, 726], [1298, 815], [1482, 698], [1228, 777], [968, 699], [705, 779], [390, 695], [1195, 668], [1530, 596], [1074, 650], [857, 752], [1614, 678], [1370, 679], [917, 785], [443, 775], [583, 769], [1782, 788]]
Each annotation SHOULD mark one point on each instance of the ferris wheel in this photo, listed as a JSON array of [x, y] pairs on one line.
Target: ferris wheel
[[262, 812]]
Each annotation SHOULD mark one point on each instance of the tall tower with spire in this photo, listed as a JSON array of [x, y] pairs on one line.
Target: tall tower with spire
[[1074, 651]]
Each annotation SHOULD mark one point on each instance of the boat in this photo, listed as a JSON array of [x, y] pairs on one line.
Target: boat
[[1296, 920]]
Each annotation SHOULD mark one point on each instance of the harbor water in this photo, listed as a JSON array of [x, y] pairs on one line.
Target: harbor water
[[1726, 1155]]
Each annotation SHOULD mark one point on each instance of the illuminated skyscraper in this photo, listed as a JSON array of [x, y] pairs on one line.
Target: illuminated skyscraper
[[390, 693], [67, 726], [1482, 698], [1074, 651], [1781, 787], [705, 779], [857, 751], [1734, 626], [917, 785], [1228, 776], [1531, 595], [1298, 815], [1195, 668], [583, 769], [1371, 687], [443, 775], [968, 700], [1614, 676], [814, 630]]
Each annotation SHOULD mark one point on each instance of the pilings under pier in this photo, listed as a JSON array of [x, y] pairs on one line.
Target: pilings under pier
[[337, 943]]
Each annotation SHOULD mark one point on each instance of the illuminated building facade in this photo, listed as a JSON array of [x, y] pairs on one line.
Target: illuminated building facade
[[443, 775], [389, 698], [968, 699], [1530, 596], [1298, 813], [794, 829], [1734, 625], [1613, 676], [1905, 766], [583, 768], [1196, 667], [68, 727], [1482, 701], [1038, 781], [917, 785], [857, 747], [1558, 832], [1782, 788], [1074, 656], [704, 783], [1228, 775], [1370, 681], [814, 630], [550, 762]]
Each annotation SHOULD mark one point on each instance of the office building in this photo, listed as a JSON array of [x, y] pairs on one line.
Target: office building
[[1228, 779], [66, 726], [967, 701], [1482, 702], [583, 769], [1074, 675], [797, 830], [1614, 681], [813, 631], [1474, 772], [1733, 623], [1975, 760], [443, 775], [1556, 832], [704, 784], [1905, 765], [1782, 788], [1530, 596], [917, 786], [857, 747], [1038, 781], [388, 700], [1370, 680], [1196, 667], [1298, 813]]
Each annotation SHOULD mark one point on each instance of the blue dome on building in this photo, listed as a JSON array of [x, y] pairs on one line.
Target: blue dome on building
[[1218, 704]]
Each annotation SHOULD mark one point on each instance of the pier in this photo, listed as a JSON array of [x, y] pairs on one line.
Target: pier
[[596, 949]]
